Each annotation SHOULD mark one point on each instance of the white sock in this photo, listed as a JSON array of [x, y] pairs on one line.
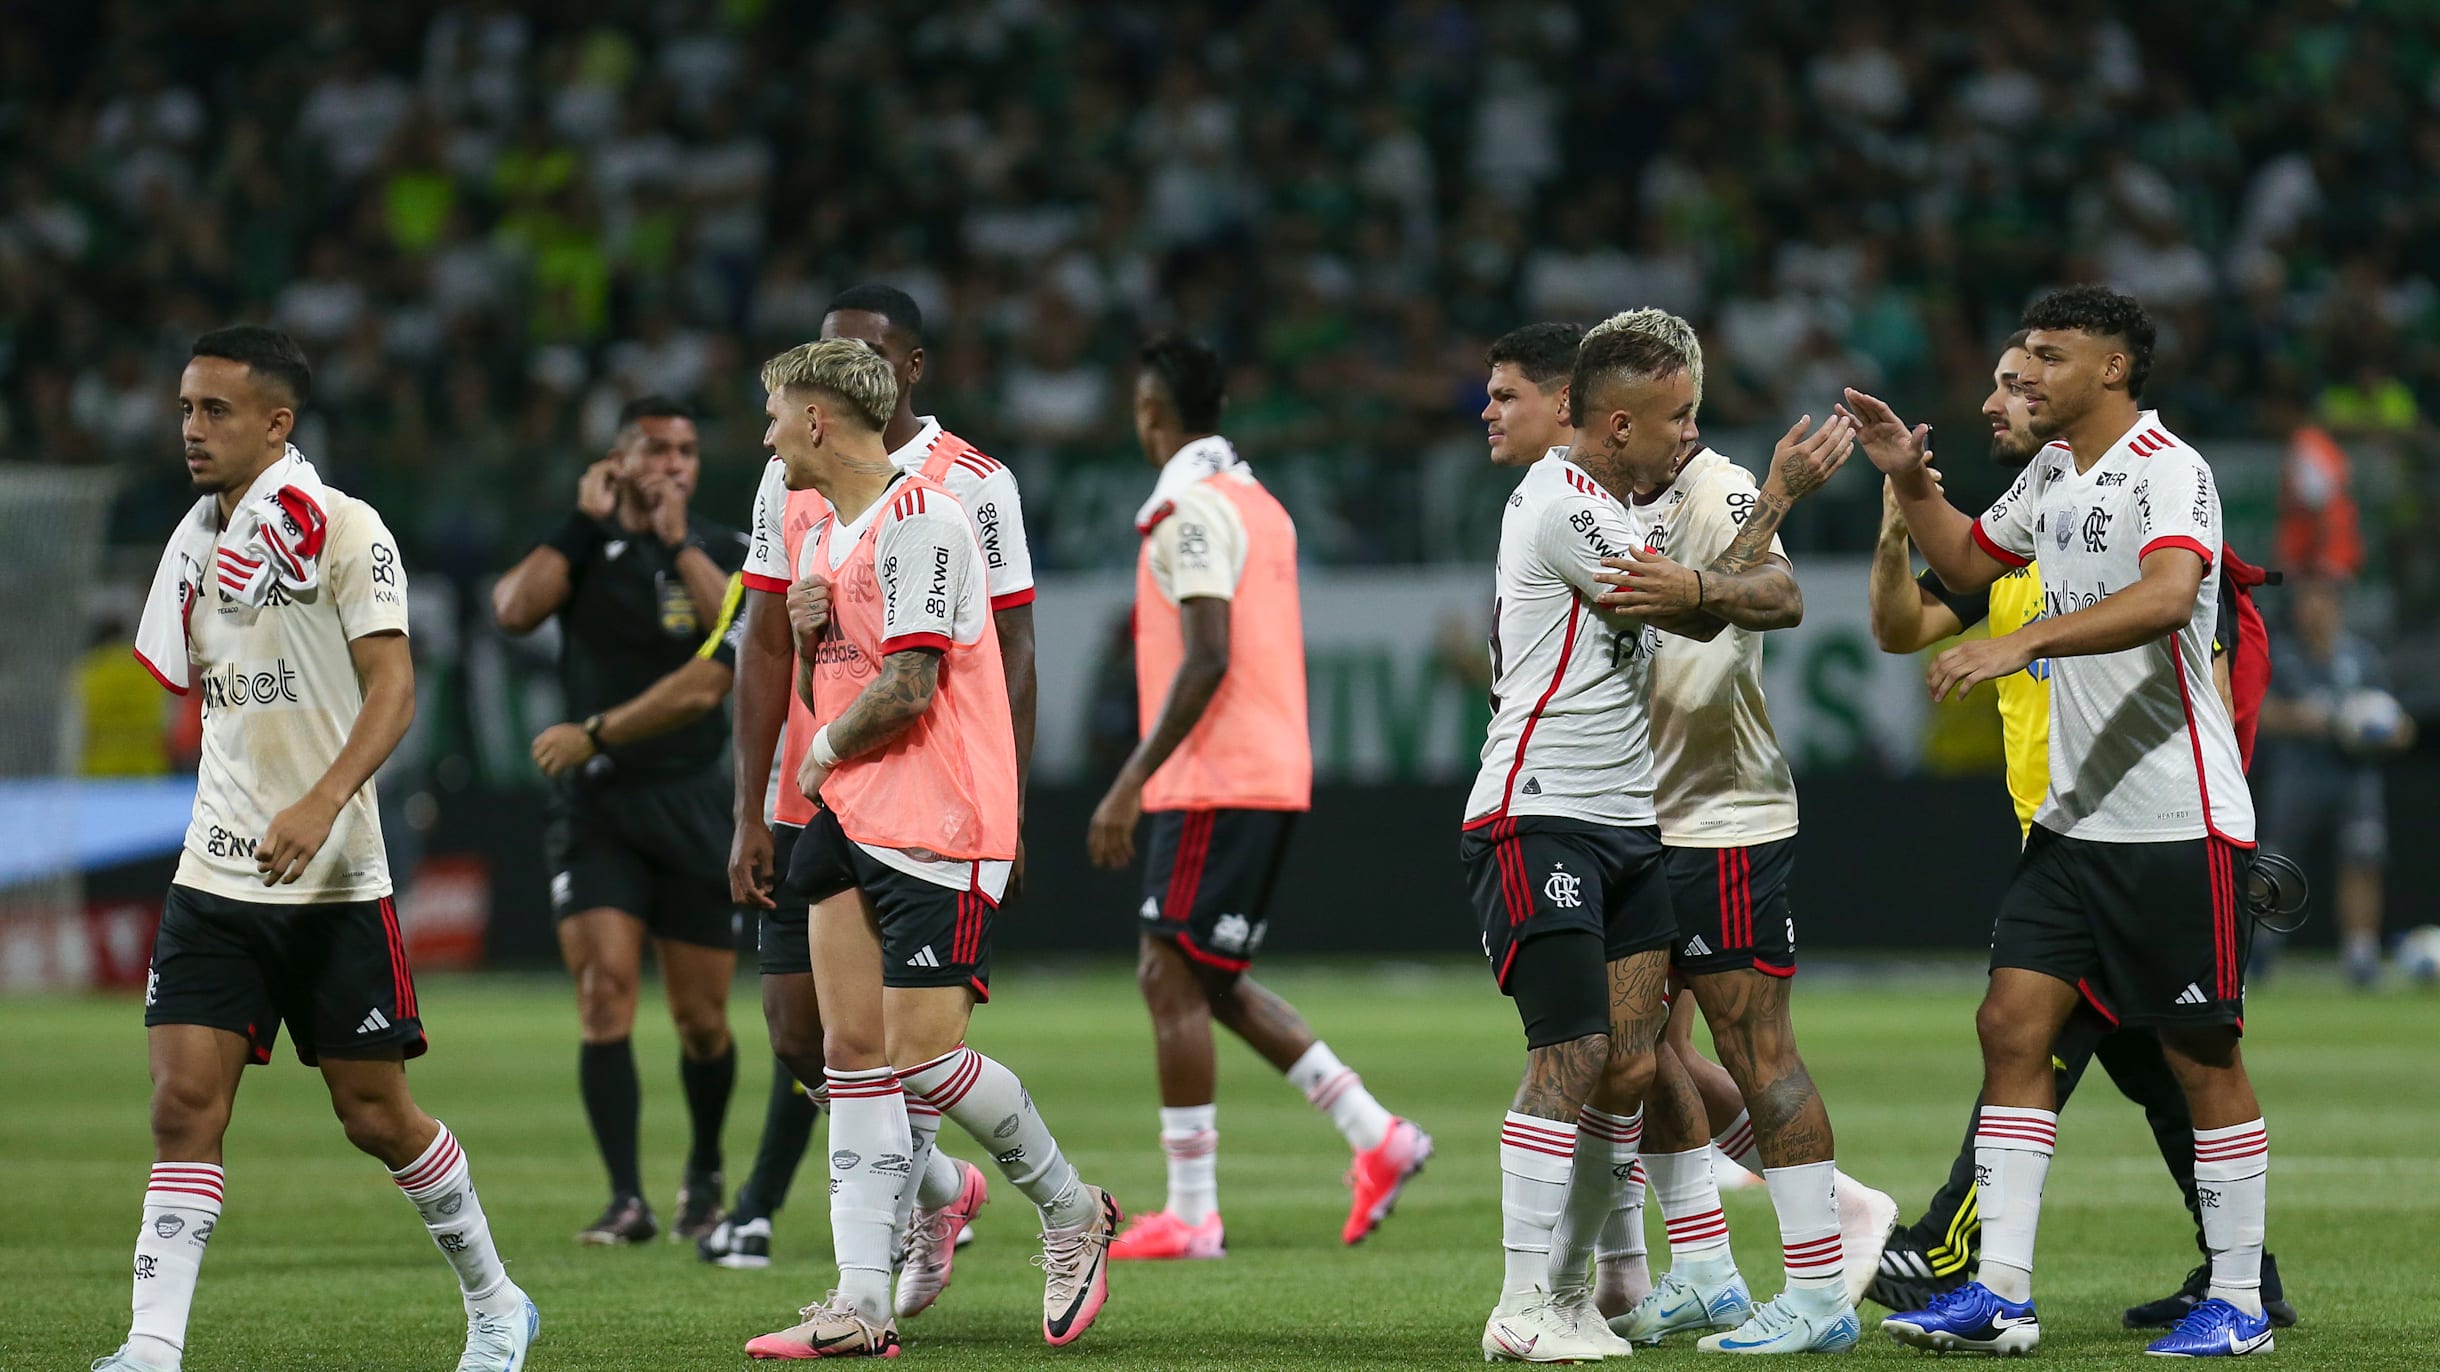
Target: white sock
[[1604, 1160], [1690, 1206], [1622, 1271], [2012, 1151], [1737, 1141], [181, 1208], [442, 1190], [1338, 1092], [1191, 1142], [870, 1164], [1536, 1156], [1806, 1197], [987, 1101], [923, 1146], [2232, 1178], [937, 1176]]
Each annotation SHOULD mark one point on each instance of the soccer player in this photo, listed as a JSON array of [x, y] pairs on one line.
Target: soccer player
[[2128, 891], [1527, 391], [637, 831], [1562, 856], [1727, 810], [283, 602], [1911, 613], [1224, 766], [949, 1191], [903, 864]]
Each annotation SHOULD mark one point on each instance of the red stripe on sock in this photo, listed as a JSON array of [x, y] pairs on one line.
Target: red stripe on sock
[[434, 1167]]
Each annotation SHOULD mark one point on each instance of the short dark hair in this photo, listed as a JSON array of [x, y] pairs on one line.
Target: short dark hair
[[1543, 352], [894, 306], [2103, 313], [1190, 371], [264, 352], [2015, 340], [654, 406], [1623, 354]]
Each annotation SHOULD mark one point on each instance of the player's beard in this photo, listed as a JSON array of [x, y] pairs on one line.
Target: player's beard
[[2012, 450]]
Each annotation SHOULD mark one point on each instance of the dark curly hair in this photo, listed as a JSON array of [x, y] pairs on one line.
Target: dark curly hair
[[2103, 313]]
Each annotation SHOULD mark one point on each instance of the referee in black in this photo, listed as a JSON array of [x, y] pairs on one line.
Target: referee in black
[[639, 833]]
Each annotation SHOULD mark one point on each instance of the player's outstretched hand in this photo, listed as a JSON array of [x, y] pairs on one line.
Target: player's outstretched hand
[[1803, 462], [1649, 585], [1110, 839], [294, 837], [561, 748], [1968, 665], [597, 491], [808, 610], [1893, 447], [750, 864]]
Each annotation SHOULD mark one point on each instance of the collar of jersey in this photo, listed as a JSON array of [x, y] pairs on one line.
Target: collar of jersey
[[911, 457], [856, 530]]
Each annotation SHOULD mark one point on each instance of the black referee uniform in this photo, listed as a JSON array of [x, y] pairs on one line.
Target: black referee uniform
[[643, 827]]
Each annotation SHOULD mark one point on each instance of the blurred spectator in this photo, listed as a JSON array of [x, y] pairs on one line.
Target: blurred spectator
[[573, 203], [2328, 723]]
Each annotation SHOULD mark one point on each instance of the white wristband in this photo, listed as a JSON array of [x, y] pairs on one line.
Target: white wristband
[[823, 754]]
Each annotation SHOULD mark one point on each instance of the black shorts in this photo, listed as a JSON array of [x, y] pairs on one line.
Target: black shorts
[[781, 944], [1543, 875], [931, 935], [1732, 908], [2153, 934], [336, 974], [657, 850], [1207, 881]]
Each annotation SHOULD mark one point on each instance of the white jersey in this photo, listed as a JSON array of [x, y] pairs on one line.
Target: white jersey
[[1722, 780], [945, 604], [1568, 733], [280, 696], [2141, 749], [985, 488]]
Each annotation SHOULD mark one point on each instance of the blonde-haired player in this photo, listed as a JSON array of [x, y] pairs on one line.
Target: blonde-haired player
[[1728, 818], [915, 766]]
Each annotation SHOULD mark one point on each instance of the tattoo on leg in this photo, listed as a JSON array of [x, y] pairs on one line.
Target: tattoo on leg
[[1559, 1078], [1748, 1012]]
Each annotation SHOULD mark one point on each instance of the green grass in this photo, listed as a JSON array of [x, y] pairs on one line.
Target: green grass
[[320, 1264]]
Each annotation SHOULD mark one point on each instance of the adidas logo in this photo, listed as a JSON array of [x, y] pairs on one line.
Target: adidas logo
[[1533, 786], [1697, 948], [926, 958], [374, 1023], [2192, 995]]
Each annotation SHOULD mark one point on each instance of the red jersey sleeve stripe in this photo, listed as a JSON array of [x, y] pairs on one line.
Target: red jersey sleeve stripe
[[157, 675], [1013, 599], [2192, 545], [1998, 554], [900, 644], [756, 581]]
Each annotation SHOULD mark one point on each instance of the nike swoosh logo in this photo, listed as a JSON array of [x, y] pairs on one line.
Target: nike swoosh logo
[[2012, 1321], [1509, 1341]]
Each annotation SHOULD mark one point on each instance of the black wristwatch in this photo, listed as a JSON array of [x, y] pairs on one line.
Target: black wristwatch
[[593, 731], [692, 540]]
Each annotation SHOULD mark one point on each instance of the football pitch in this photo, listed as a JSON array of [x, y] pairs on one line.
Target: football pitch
[[319, 1264]]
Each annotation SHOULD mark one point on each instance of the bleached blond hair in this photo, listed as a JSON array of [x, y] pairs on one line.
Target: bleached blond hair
[[844, 367], [1667, 328]]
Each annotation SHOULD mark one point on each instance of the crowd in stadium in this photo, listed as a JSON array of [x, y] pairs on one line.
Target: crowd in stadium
[[493, 223]]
